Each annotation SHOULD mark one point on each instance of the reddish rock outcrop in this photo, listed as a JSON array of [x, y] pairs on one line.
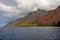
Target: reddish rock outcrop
[[52, 18]]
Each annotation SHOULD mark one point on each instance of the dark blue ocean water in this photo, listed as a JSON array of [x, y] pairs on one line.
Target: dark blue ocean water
[[30, 33]]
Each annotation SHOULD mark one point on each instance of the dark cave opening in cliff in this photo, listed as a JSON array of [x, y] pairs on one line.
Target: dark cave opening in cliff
[[58, 23]]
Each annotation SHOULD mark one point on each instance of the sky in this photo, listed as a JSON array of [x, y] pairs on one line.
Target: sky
[[11, 10]]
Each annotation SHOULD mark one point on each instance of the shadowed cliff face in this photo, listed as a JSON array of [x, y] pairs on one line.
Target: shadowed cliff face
[[52, 18], [58, 23]]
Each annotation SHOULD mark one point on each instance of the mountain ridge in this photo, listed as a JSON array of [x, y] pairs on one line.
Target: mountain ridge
[[31, 17]]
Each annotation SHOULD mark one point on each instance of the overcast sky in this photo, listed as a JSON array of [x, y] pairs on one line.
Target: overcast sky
[[13, 9]]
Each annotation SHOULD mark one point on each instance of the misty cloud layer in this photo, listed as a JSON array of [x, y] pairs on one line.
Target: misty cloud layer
[[14, 9]]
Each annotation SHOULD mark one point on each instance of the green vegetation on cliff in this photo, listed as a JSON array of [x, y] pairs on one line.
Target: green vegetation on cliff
[[27, 23]]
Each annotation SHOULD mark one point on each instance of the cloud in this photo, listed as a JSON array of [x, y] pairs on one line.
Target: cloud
[[28, 5], [35, 4], [9, 2], [7, 8]]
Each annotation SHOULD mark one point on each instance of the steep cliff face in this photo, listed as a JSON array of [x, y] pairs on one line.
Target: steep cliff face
[[29, 18], [52, 18]]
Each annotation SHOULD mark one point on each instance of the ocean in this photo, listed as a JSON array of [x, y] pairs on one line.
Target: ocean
[[30, 33]]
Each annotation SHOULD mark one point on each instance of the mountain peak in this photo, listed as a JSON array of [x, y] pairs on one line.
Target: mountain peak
[[58, 6]]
